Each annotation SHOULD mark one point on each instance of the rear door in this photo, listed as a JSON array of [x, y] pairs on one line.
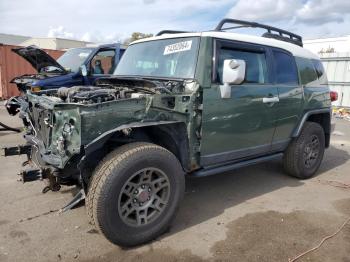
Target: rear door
[[241, 126], [290, 94]]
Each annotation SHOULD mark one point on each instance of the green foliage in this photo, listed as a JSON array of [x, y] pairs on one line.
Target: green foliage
[[136, 36]]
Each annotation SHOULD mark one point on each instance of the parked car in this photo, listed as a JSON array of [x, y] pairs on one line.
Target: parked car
[[179, 104], [77, 66]]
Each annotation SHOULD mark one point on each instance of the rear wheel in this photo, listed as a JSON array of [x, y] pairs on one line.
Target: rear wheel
[[135, 193], [305, 153]]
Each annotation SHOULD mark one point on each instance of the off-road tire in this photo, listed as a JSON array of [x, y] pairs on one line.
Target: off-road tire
[[294, 159], [96, 176], [108, 181]]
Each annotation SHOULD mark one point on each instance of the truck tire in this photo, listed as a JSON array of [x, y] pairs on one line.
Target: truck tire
[[305, 153], [95, 178], [135, 193]]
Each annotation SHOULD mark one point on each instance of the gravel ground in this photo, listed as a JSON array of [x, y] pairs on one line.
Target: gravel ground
[[252, 214]]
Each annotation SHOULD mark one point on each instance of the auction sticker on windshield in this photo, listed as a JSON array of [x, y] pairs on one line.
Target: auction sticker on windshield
[[177, 47]]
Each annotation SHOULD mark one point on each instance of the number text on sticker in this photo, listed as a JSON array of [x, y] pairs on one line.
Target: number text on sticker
[[177, 47]]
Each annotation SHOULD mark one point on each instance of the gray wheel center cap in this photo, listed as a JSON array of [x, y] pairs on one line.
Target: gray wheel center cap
[[143, 196]]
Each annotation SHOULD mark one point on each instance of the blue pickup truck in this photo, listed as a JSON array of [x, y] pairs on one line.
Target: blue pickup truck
[[76, 67]]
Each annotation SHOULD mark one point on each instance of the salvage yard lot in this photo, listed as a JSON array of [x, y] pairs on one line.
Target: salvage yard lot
[[252, 214]]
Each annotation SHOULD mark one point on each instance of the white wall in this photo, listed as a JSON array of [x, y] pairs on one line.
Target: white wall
[[337, 44], [336, 60]]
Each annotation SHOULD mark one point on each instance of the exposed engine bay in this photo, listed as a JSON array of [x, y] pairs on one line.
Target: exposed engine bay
[[63, 126], [109, 89]]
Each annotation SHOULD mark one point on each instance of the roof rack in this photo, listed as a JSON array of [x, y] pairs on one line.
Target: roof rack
[[272, 32], [171, 32]]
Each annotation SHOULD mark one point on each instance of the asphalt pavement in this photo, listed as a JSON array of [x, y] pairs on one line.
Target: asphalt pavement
[[256, 213]]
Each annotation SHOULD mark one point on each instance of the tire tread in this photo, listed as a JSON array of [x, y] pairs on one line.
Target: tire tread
[[292, 154]]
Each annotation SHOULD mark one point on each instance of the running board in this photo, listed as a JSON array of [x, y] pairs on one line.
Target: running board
[[229, 167]]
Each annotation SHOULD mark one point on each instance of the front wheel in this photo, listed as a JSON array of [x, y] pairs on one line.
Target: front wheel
[[136, 194], [305, 153]]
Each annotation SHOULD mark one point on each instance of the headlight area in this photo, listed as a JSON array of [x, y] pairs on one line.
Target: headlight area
[[65, 136], [35, 89]]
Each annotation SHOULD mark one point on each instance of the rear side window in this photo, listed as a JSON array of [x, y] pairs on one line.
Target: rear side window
[[307, 70], [319, 67], [286, 72], [256, 71]]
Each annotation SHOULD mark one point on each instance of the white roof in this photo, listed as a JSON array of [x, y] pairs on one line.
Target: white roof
[[294, 49]]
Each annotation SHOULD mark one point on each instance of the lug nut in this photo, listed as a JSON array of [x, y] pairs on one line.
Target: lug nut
[[141, 204], [134, 200], [143, 186], [149, 189], [148, 198], [136, 192]]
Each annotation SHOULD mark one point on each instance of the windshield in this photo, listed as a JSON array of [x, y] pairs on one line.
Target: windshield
[[170, 58], [74, 58]]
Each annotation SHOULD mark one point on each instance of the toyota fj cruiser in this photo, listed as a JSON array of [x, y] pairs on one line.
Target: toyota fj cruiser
[[180, 103]]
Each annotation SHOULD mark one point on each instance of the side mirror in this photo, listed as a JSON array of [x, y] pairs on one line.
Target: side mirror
[[233, 74], [83, 70]]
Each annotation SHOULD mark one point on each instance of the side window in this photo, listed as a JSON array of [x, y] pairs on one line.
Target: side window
[[103, 62], [286, 72], [255, 64], [319, 67], [307, 70]]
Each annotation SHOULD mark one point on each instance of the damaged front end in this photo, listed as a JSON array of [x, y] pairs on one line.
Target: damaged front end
[[67, 129]]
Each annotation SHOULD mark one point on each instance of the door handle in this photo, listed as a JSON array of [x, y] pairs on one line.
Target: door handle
[[274, 99]]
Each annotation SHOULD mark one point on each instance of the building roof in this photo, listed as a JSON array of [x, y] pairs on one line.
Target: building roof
[[10, 39], [294, 49], [42, 42]]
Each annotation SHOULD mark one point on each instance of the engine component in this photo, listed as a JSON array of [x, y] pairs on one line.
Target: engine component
[[90, 94], [95, 96]]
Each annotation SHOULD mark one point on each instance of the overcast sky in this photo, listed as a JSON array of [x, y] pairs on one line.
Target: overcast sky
[[112, 20]]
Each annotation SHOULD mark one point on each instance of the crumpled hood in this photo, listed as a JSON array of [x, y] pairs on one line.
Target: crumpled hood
[[38, 58]]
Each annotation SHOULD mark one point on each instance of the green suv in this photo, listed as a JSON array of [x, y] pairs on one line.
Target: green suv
[[179, 104]]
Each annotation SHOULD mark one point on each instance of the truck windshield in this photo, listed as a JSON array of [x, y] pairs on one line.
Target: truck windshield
[[74, 58], [169, 58]]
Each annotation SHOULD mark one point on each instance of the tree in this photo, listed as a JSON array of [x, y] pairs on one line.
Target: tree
[[136, 36]]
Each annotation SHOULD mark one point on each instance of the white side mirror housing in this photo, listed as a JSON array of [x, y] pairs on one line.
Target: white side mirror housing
[[233, 74], [233, 71]]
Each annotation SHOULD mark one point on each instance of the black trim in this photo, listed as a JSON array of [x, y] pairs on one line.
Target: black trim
[[229, 167], [280, 146], [227, 156], [306, 115]]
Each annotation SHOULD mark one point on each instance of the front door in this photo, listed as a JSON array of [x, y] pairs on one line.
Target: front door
[[102, 64], [241, 126]]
